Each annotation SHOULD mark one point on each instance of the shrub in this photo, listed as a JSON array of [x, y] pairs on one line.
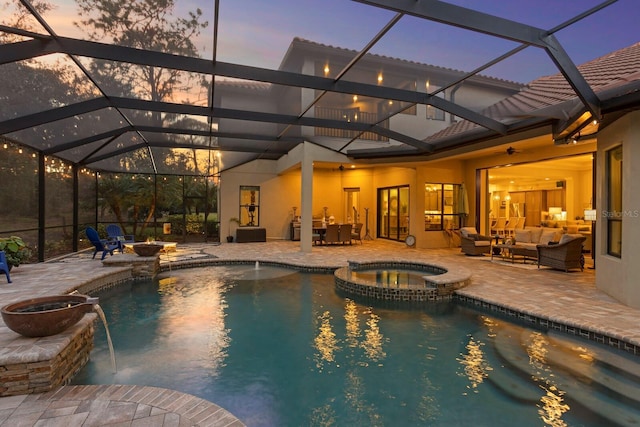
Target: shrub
[[15, 250]]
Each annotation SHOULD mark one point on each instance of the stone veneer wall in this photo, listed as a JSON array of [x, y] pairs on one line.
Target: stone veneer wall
[[28, 373], [141, 267], [37, 365]]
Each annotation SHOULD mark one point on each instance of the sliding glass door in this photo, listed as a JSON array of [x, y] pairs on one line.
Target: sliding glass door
[[393, 213]]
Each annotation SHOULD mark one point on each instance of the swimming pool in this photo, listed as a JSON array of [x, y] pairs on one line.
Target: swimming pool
[[281, 348]]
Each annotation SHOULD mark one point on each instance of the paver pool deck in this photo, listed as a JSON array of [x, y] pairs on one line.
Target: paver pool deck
[[569, 298]]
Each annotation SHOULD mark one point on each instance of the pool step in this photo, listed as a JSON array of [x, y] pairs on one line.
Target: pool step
[[626, 363], [508, 345], [502, 377]]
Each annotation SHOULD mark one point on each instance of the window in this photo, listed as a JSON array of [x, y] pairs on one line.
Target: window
[[614, 212], [411, 111], [249, 206], [434, 113], [443, 206]]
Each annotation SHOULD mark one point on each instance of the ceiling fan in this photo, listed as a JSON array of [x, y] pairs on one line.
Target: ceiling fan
[[510, 151]]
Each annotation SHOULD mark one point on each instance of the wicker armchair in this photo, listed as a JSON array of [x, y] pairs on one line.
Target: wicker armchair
[[472, 243], [563, 256]]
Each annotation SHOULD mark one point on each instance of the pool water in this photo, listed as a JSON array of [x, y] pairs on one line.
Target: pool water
[[280, 348]]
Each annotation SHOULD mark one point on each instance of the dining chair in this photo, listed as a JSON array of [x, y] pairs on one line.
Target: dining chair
[[344, 233], [356, 232], [332, 235], [498, 228]]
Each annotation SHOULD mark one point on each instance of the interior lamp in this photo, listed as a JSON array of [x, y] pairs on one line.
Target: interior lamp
[[555, 213], [589, 214]]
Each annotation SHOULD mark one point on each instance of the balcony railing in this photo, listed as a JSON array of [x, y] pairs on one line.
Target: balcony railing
[[349, 115]]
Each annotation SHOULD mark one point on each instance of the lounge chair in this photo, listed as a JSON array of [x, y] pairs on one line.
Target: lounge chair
[[4, 266], [473, 243], [565, 255], [115, 234], [101, 245]]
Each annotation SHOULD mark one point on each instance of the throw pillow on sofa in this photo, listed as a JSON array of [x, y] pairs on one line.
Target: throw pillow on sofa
[[536, 232], [568, 237], [523, 236], [547, 236]]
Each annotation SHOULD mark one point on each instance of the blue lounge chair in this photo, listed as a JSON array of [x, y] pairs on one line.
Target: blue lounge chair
[[4, 266], [115, 234], [104, 245]]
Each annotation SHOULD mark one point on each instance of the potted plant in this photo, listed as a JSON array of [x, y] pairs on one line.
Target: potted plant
[[15, 250], [231, 221]]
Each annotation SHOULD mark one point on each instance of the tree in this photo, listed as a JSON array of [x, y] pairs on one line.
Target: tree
[[148, 25]]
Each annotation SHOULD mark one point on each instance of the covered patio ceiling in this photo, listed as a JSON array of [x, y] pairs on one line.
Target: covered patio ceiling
[[134, 87]]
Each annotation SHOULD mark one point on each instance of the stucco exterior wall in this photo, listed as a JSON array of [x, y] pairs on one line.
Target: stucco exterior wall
[[279, 193], [618, 277]]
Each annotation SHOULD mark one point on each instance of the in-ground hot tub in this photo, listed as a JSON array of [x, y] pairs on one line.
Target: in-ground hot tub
[[400, 281]]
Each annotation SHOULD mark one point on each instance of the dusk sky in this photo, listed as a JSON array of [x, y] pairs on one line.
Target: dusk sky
[[258, 32]]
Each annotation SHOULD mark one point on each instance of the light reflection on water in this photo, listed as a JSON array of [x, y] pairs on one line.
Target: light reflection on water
[[288, 350]]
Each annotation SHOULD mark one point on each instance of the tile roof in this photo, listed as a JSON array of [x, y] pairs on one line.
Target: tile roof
[[405, 61], [607, 72]]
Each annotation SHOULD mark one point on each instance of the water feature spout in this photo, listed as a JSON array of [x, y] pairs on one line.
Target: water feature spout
[[257, 265], [93, 301], [102, 316]]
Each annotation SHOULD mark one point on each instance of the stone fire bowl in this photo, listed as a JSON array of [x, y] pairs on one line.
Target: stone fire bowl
[[45, 316], [147, 249]]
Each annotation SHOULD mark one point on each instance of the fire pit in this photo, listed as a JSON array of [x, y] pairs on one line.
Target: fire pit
[[147, 249], [41, 317]]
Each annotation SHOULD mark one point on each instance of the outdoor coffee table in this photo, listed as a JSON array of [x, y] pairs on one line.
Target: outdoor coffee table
[[510, 251]]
